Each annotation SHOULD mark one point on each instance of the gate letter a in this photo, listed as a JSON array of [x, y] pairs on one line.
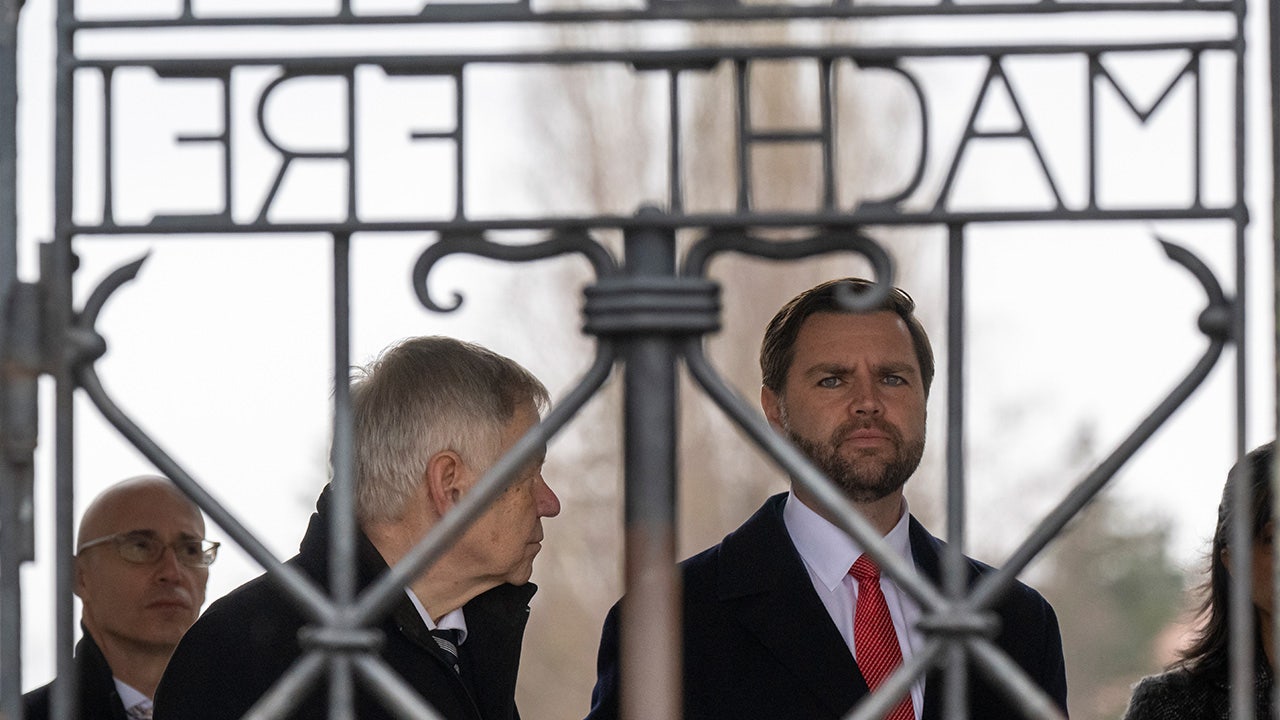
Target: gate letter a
[[971, 132]]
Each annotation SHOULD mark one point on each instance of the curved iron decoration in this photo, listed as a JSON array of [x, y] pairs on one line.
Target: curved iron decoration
[[1215, 322], [826, 241], [573, 240], [89, 346], [114, 280]]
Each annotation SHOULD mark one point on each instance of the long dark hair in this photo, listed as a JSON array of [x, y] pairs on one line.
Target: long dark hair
[[1208, 653]]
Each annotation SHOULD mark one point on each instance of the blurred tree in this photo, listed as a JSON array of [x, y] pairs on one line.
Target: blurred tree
[[1115, 590], [1117, 593]]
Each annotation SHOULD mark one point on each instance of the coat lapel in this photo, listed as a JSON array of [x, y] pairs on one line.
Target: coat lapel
[[924, 551], [927, 552], [763, 580], [496, 621]]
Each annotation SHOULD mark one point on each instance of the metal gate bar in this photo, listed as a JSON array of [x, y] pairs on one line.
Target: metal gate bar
[[953, 562], [651, 617]]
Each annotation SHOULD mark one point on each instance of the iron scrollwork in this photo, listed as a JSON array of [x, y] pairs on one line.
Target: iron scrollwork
[[562, 242]]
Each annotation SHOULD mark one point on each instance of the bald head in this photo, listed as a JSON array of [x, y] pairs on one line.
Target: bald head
[[113, 505], [128, 603]]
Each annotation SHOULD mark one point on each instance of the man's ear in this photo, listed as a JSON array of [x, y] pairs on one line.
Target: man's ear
[[772, 406], [445, 480], [78, 581]]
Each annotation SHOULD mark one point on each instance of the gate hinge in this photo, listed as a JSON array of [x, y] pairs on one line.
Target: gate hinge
[[23, 358]]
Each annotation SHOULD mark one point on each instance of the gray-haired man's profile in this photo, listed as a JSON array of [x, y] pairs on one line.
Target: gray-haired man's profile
[[430, 416]]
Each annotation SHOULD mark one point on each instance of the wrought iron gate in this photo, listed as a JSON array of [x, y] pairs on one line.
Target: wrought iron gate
[[649, 308]]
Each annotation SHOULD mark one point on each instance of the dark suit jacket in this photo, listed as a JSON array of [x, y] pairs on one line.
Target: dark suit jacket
[[758, 643], [245, 641], [99, 699]]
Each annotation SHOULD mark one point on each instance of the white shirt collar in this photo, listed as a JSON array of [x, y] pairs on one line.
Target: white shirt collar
[[826, 549], [453, 620], [129, 695]]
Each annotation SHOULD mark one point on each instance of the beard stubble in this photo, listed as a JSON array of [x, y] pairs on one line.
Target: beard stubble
[[863, 477]]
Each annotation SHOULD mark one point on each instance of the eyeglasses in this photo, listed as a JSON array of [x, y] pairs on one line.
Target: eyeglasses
[[142, 549]]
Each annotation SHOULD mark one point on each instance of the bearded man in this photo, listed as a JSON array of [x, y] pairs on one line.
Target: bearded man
[[787, 618]]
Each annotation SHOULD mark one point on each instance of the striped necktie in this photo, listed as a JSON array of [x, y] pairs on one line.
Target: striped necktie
[[447, 639]]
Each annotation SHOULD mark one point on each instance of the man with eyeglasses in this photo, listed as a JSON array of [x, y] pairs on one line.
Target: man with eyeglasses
[[141, 566]]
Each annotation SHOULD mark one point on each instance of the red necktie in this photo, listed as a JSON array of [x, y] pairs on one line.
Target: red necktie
[[874, 639]]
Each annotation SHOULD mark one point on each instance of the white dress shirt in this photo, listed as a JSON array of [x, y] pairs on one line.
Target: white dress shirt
[[453, 620], [131, 697], [828, 553]]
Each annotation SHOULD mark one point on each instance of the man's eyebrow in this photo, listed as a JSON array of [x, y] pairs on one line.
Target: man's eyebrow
[[896, 367], [143, 532], [828, 368], [834, 368]]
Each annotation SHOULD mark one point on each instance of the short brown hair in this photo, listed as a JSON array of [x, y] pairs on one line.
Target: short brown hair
[[778, 349]]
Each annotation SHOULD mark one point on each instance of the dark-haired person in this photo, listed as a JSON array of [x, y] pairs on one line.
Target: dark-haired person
[[786, 619], [141, 566], [1198, 685], [430, 416]]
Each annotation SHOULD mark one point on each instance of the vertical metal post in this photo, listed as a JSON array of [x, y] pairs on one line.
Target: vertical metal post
[[19, 423], [827, 132], [342, 546], [745, 131], [1243, 645], [674, 149], [1273, 31], [954, 574], [9, 10], [460, 146], [1240, 612], [651, 613], [13, 534], [55, 270]]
